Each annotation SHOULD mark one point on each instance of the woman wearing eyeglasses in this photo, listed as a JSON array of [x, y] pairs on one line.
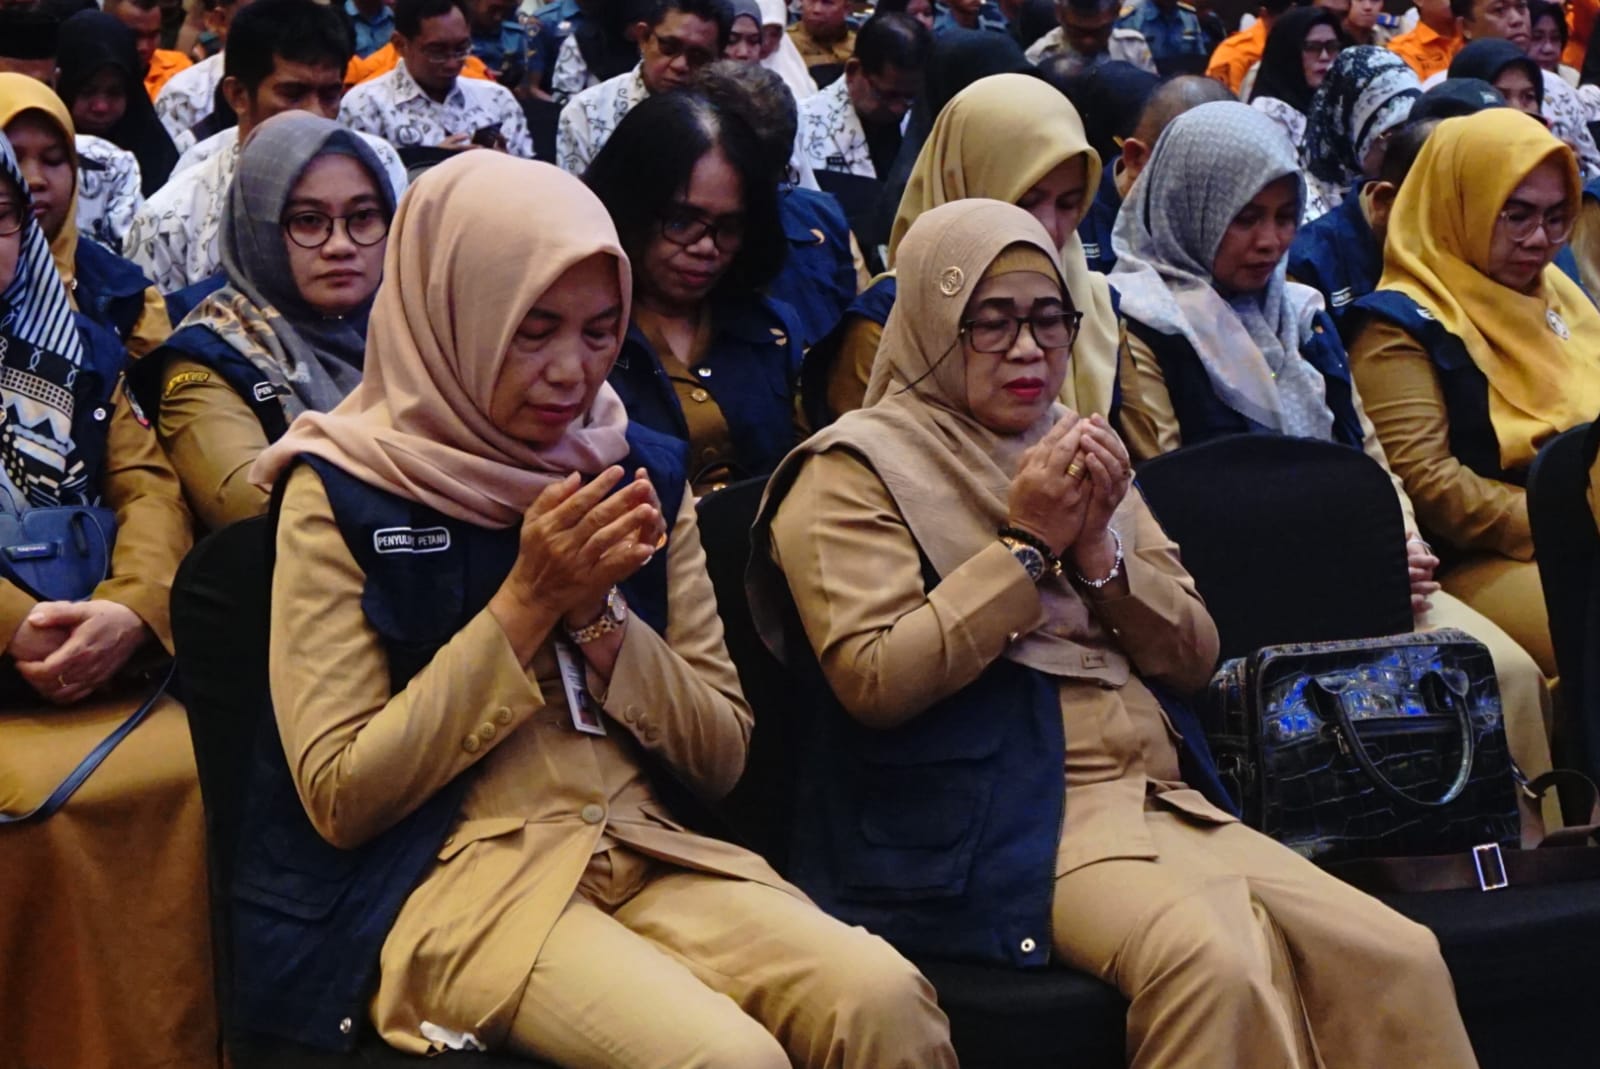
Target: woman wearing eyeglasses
[[302, 245], [1299, 52], [1476, 351], [994, 608], [708, 359]]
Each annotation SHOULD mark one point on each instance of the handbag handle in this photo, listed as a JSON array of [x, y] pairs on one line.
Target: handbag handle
[[1323, 695], [82, 522]]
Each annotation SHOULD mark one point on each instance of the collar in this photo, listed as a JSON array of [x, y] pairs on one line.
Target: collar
[[406, 88], [384, 16], [1428, 35]]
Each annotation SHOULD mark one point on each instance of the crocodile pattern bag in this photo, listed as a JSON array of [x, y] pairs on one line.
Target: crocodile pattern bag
[[1373, 748]]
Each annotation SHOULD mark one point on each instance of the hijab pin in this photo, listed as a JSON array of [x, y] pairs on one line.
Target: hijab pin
[[1557, 324], [951, 279]]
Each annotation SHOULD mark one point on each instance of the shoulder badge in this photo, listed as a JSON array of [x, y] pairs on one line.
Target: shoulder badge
[[182, 379]]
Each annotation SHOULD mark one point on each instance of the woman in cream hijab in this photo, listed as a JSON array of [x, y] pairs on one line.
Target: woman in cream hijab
[[1013, 138], [991, 604], [778, 53], [1476, 352], [485, 663]]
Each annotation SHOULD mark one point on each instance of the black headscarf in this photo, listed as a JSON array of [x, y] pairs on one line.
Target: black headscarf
[[92, 41], [959, 58], [1487, 57], [602, 37], [1283, 73]]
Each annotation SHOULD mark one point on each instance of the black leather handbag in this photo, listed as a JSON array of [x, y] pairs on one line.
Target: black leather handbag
[[1371, 748]]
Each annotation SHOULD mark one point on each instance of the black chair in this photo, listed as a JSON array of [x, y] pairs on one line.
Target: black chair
[[1567, 546], [1000, 1018], [543, 117], [220, 625], [825, 74], [1288, 539], [858, 196], [1291, 540]]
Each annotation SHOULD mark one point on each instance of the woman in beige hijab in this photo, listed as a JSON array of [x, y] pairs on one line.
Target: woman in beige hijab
[[486, 672], [994, 609], [1008, 137]]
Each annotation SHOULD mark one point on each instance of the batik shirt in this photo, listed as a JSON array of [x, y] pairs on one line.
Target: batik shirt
[[571, 75], [394, 107], [1129, 46], [176, 236], [108, 191], [189, 97], [590, 117], [831, 136]]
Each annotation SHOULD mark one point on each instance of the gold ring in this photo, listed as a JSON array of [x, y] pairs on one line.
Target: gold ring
[[62, 679], [1075, 470]]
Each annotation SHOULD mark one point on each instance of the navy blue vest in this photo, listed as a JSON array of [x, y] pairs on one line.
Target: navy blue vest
[[1338, 255], [309, 918], [750, 368], [1202, 415], [1099, 221], [105, 359], [204, 347], [818, 280], [109, 289], [1465, 389]]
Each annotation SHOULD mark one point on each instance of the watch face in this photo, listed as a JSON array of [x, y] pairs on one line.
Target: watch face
[[616, 608], [1030, 559]]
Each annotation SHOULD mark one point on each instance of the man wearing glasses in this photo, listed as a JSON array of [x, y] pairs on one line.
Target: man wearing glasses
[[678, 38], [854, 126], [424, 102]]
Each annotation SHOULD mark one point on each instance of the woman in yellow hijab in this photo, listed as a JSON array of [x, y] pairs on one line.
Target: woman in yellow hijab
[[1012, 138], [102, 285], [1475, 351]]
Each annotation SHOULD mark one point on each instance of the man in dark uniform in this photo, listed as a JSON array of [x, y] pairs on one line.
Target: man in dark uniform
[[1172, 30]]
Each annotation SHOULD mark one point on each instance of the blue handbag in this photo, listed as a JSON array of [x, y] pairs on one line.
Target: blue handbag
[[61, 554]]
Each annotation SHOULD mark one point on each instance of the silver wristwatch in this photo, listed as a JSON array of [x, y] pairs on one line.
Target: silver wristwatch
[[611, 618]]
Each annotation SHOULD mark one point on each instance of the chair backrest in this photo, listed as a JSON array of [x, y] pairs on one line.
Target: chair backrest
[[758, 809], [1567, 546], [220, 629], [1288, 539]]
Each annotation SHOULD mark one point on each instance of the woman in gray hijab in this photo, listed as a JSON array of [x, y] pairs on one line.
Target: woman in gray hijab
[[1221, 342], [302, 249]]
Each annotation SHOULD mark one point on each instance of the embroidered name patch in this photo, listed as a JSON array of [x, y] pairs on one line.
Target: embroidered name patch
[[264, 391], [185, 378], [411, 539]]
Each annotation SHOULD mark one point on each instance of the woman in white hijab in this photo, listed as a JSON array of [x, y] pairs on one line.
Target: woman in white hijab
[[778, 53]]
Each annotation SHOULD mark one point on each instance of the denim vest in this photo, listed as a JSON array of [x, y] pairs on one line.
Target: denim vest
[[1465, 389], [203, 346], [1202, 415], [750, 368], [309, 918]]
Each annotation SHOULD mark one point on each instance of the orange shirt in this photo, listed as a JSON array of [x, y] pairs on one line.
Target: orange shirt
[[1580, 24], [1237, 54], [384, 60], [1425, 51], [163, 65]]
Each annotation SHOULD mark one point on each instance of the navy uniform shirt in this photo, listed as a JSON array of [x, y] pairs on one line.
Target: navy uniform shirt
[[508, 51], [546, 28], [1170, 35], [990, 17]]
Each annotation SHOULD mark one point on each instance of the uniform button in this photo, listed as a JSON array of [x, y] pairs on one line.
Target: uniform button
[[471, 744], [592, 814], [1028, 946], [703, 372], [631, 714], [1012, 637], [487, 731], [99, 415], [651, 734], [345, 1026], [698, 394], [502, 716]]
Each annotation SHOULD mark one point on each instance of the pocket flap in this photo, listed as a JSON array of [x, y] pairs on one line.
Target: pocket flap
[[476, 831]]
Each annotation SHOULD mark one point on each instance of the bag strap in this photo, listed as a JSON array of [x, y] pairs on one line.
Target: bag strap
[[1322, 695], [1486, 868], [75, 778]]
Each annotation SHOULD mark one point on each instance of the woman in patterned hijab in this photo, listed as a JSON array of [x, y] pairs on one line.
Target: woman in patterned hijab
[[1367, 94]]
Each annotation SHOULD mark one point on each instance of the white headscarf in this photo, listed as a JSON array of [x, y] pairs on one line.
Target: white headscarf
[[786, 61]]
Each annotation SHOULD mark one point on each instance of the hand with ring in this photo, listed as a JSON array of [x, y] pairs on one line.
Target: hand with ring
[[1043, 500]]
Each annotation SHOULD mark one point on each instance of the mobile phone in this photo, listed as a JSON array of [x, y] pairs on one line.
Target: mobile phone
[[487, 136]]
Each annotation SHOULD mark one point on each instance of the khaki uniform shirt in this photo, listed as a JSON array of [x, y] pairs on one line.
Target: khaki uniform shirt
[[816, 52], [213, 438]]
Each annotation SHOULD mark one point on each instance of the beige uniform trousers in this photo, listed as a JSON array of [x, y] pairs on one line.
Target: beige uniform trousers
[[758, 979], [1237, 953]]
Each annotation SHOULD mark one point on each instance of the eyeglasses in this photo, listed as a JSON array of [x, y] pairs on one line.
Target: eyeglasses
[[311, 230], [685, 227], [446, 53], [1523, 222], [673, 47], [1320, 48], [890, 97], [996, 333], [12, 217]]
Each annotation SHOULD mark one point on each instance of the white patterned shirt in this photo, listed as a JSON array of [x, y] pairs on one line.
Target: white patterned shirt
[[108, 191], [831, 137], [571, 75], [176, 236], [1566, 115], [589, 118], [394, 107], [1129, 46], [189, 96]]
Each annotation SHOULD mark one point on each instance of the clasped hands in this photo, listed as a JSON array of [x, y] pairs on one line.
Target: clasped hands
[[65, 650], [1067, 488]]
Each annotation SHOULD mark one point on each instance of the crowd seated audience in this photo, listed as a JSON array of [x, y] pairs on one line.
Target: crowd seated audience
[[936, 278]]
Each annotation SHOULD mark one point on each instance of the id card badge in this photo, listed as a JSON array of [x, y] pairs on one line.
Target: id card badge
[[574, 680]]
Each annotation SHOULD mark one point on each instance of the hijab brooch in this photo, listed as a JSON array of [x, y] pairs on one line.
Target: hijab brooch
[[951, 279], [1557, 324]]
